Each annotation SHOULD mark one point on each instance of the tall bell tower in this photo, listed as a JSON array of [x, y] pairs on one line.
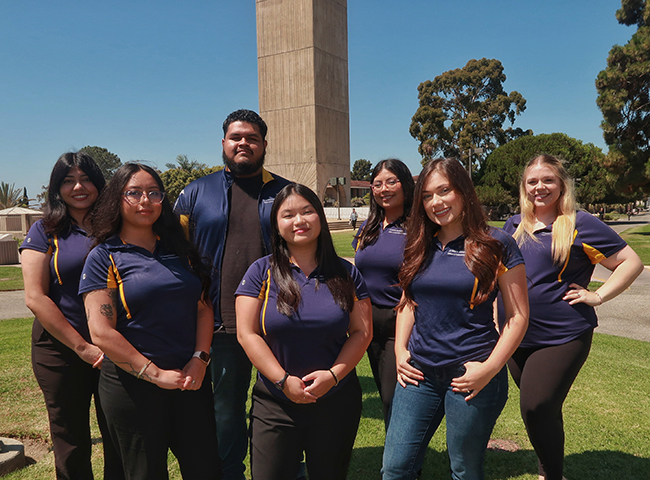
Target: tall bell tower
[[302, 56]]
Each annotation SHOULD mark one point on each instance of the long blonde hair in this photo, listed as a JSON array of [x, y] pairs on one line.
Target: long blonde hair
[[565, 222]]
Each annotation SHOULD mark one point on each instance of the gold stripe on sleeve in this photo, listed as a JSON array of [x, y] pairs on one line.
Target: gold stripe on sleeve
[[266, 288], [595, 256], [566, 262], [474, 290], [120, 286], [56, 259]]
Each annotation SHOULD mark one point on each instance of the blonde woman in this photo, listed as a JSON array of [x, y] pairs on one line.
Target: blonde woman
[[560, 246]]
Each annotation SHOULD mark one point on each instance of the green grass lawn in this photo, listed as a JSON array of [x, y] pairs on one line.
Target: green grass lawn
[[606, 418], [639, 239], [343, 243], [11, 278]]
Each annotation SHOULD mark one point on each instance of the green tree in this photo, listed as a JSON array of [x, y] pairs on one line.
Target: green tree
[[466, 108], [108, 162], [624, 100], [501, 172], [176, 179], [10, 196], [184, 163], [361, 170]]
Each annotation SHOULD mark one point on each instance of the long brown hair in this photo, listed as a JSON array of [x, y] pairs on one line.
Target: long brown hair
[[370, 232], [482, 251]]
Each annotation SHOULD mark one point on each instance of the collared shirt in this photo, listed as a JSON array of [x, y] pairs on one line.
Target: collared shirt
[[67, 253], [450, 329], [158, 298], [312, 338], [203, 207], [552, 320], [380, 263]]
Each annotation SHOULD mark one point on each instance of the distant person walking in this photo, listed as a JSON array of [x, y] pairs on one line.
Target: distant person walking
[[66, 363], [560, 247], [353, 219]]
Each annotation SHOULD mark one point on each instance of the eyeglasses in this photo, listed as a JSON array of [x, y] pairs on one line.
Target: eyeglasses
[[135, 196], [390, 184]]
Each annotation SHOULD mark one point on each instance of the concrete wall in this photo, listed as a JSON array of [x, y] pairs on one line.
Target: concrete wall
[[302, 49]]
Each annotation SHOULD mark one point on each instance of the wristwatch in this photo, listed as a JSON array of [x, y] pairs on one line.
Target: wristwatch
[[203, 356], [280, 383]]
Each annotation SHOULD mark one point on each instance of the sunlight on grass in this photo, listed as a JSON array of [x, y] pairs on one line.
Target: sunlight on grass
[[606, 413]]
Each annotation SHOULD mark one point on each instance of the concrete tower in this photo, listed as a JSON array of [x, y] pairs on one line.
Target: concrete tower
[[302, 57]]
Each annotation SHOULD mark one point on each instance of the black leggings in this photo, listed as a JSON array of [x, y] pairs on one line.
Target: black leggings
[[381, 353], [545, 375]]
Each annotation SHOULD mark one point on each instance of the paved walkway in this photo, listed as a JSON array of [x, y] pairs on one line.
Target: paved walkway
[[628, 315]]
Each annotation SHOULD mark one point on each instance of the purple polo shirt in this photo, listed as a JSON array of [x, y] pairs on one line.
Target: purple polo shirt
[[158, 298], [552, 320], [380, 262], [449, 328], [67, 253], [312, 338]]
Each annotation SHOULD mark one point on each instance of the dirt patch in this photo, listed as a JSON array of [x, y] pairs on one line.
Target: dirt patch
[[35, 450], [499, 445]]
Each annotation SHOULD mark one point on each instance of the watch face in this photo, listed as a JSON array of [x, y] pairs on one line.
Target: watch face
[[204, 356]]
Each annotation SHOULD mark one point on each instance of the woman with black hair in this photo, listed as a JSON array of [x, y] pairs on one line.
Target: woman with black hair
[[304, 320], [379, 250], [145, 291], [450, 357], [64, 359]]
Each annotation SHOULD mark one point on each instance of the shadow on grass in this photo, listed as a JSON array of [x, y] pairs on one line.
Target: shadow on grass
[[372, 406], [605, 465], [499, 465]]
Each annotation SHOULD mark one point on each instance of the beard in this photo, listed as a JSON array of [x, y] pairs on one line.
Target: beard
[[245, 168]]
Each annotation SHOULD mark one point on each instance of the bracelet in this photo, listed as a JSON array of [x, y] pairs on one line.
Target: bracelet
[[336, 379], [139, 376], [601, 298]]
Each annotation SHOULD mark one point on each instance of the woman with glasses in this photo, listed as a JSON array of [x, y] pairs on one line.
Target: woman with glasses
[[145, 291], [65, 361], [560, 245], [379, 248], [303, 318], [450, 357]]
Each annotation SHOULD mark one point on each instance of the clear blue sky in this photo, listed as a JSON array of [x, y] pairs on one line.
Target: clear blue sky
[[152, 79]]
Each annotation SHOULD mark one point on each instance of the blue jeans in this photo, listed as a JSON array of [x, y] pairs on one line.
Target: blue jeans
[[231, 377], [417, 411]]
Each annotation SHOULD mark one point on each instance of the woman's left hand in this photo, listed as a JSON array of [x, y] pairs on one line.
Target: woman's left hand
[[194, 371], [577, 294], [323, 381], [477, 375]]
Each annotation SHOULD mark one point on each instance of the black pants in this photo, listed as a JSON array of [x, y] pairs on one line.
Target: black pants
[[145, 421], [325, 431], [68, 384], [381, 353], [545, 375]]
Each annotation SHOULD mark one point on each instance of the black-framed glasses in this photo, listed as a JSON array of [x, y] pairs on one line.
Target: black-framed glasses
[[135, 196], [390, 184]]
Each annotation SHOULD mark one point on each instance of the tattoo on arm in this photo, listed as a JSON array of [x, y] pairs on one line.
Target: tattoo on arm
[[106, 309], [128, 368]]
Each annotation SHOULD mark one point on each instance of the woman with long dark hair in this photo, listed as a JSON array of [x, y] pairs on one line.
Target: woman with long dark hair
[[450, 358], [303, 318], [379, 250], [65, 360], [561, 246], [145, 291]]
